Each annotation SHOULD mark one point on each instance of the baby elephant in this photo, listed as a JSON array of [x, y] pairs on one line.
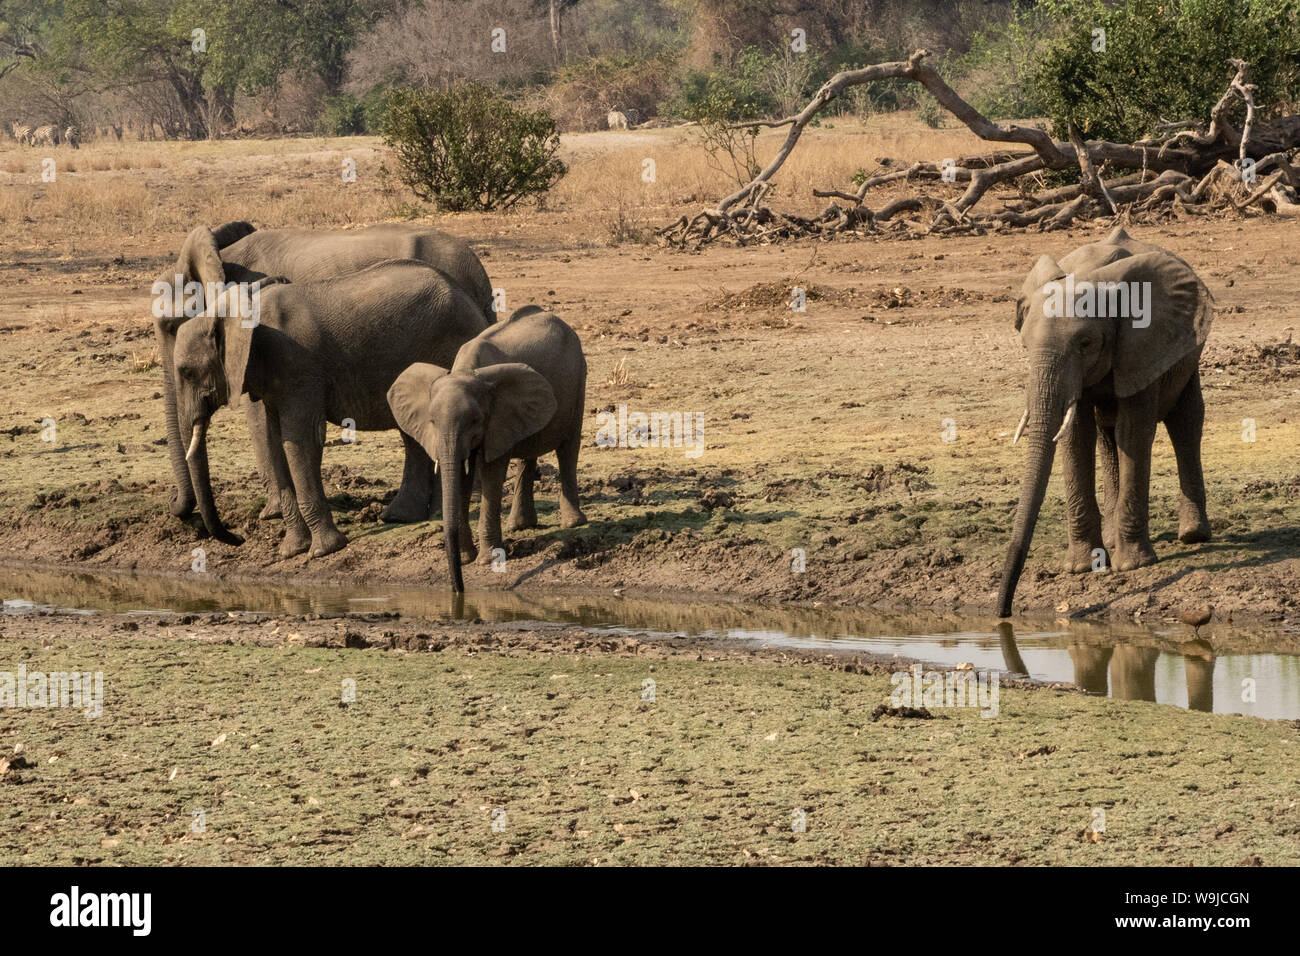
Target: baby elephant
[[514, 391]]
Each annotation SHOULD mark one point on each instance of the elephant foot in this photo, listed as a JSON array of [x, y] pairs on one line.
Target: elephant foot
[[295, 542], [328, 542], [468, 550], [521, 522], [1193, 529], [485, 553], [1132, 555], [572, 519], [270, 510], [407, 509], [1081, 557]]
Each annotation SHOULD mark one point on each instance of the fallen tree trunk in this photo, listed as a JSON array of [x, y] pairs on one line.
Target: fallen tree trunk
[[1189, 172]]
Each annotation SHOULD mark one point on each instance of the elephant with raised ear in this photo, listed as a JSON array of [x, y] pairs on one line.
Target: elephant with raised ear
[[1114, 333], [515, 391], [236, 252], [319, 351]]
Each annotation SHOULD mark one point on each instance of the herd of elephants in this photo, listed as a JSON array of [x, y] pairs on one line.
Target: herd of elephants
[[392, 326]]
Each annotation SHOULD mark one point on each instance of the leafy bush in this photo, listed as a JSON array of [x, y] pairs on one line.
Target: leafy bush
[[1164, 60], [585, 90], [998, 70], [342, 115], [467, 147], [726, 93]]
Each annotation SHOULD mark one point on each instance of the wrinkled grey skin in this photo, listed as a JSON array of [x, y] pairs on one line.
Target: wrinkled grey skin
[[1125, 381], [322, 351], [515, 391], [235, 252]]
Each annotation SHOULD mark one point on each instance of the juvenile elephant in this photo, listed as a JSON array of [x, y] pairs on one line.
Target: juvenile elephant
[[236, 252], [1114, 333], [321, 351], [515, 391]]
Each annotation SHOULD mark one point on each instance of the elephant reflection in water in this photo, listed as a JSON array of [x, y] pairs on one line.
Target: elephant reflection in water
[[1132, 669], [1133, 672]]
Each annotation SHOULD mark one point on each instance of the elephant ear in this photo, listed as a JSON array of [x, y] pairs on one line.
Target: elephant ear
[[201, 262], [1180, 313], [522, 405], [236, 344], [1045, 270], [231, 232], [409, 398]]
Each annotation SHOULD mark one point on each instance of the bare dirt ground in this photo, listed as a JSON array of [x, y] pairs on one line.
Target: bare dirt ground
[[824, 429]]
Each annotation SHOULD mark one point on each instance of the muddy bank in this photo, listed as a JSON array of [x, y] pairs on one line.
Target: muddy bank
[[1248, 577]]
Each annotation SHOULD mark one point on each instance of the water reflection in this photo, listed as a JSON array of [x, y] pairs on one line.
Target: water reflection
[[1161, 663]]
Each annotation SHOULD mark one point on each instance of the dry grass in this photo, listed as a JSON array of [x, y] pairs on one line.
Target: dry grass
[[109, 188]]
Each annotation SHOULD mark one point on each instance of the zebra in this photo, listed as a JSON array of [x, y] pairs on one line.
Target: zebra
[[72, 137], [22, 134], [45, 136]]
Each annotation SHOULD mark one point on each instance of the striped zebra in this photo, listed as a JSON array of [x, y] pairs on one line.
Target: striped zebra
[[72, 136], [22, 134], [45, 136]]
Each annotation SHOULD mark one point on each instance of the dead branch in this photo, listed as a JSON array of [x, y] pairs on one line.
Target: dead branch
[[1189, 171]]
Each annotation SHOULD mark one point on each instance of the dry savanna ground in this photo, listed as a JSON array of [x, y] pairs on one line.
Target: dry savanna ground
[[824, 429]]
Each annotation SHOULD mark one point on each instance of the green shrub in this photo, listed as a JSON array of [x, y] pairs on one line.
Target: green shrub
[[585, 90], [467, 147], [1165, 60], [342, 115], [726, 93], [998, 70]]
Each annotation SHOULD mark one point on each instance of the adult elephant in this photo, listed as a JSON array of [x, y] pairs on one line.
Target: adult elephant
[[236, 252], [1114, 332], [320, 351]]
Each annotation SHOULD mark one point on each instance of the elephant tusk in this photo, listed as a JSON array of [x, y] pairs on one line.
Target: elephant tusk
[[467, 468], [1069, 420], [435, 466], [1021, 427], [194, 442]]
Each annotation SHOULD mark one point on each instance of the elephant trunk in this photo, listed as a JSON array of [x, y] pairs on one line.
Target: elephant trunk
[[453, 487], [1050, 412], [196, 458], [182, 503]]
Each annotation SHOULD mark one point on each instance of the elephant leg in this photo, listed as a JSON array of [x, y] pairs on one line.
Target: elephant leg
[[416, 491], [571, 515], [1200, 683], [489, 509], [1133, 673], [1108, 455], [1090, 664], [1083, 518], [259, 429], [297, 536], [1184, 423], [523, 510], [1135, 430], [303, 448]]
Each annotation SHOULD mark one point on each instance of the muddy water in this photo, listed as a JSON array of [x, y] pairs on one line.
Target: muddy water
[[1158, 661]]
